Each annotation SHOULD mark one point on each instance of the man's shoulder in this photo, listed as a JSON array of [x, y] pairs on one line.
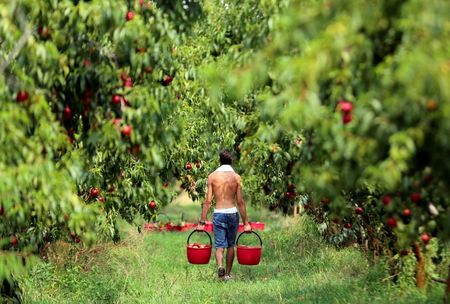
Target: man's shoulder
[[212, 175], [215, 173]]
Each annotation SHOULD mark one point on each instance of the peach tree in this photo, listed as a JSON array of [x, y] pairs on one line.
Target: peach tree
[[88, 91], [353, 101], [213, 45]]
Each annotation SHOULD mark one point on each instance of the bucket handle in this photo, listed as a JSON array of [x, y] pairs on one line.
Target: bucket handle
[[260, 241], [210, 240]]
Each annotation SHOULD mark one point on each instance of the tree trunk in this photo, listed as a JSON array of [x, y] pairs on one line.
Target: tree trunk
[[420, 269], [371, 244]]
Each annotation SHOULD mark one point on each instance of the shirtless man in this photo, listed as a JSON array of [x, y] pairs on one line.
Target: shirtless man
[[225, 185]]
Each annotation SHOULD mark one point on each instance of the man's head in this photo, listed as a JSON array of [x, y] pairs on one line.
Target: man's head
[[225, 157]]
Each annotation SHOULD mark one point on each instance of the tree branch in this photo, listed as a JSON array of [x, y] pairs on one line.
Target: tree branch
[[439, 280], [19, 44]]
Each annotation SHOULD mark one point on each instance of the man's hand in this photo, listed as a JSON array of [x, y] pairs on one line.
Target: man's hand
[[247, 227], [201, 225]]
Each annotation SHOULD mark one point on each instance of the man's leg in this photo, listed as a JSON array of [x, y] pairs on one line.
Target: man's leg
[[219, 261], [230, 259], [219, 257], [220, 242], [233, 225]]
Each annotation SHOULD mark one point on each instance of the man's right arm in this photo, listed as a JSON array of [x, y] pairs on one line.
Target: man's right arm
[[241, 205], [206, 205]]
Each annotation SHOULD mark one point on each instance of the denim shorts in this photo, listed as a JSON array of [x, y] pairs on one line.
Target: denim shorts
[[225, 229]]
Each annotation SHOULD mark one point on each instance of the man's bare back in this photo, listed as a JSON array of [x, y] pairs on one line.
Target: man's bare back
[[225, 188]]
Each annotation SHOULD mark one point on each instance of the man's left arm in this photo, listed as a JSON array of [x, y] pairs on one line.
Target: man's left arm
[[206, 205]]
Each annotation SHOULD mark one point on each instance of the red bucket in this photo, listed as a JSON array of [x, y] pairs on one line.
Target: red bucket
[[249, 255], [241, 227], [209, 226], [254, 225], [257, 225], [198, 253]]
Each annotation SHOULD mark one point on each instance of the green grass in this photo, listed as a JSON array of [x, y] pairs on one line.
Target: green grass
[[152, 268]]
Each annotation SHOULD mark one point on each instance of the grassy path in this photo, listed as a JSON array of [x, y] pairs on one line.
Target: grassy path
[[297, 267]]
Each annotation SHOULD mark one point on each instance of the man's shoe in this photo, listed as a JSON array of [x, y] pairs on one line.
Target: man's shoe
[[221, 272], [228, 277]]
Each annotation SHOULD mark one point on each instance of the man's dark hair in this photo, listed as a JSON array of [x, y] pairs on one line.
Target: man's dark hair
[[225, 157]]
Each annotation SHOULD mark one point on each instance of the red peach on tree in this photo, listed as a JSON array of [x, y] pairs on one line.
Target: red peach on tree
[[126, 130], [345, 106], [116, 99], [94, 192], [425, 238], [347, 118], [386, 200], [22, 96], [167, 80], [129, 16], [416, 197], [67, 113], [128, 82], [391, 222]]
